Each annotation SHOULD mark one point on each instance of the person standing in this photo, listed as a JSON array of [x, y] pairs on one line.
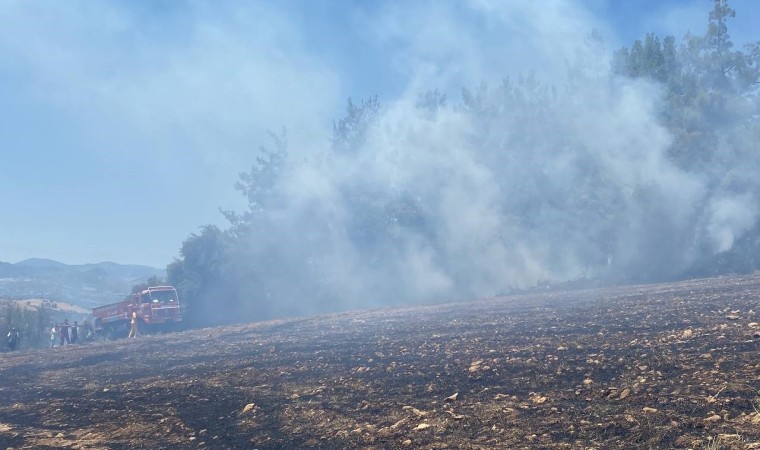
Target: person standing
[[64, 330], [133, 325], [13, 338], [74, 333], [53, 334]]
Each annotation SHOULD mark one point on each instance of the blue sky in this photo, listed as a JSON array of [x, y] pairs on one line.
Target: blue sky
[[125, 123]]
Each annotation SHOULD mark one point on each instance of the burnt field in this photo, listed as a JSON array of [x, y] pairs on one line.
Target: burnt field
[[660, 366]]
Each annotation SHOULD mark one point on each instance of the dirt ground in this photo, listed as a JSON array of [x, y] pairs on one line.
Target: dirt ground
[[660, 366]]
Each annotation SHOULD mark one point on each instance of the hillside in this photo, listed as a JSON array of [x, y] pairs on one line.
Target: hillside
[[657, 366], [84, 285], [54, 308]]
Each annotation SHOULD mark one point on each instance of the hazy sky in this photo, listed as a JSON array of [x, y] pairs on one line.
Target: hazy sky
[[125, 123]]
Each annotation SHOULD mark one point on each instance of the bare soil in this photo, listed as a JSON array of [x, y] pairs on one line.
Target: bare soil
[[659, 366]]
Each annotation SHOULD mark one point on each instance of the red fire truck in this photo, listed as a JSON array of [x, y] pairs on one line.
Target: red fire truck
[[157, 309]]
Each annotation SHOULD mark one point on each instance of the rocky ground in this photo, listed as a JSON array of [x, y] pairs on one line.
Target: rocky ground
[[660, 366]]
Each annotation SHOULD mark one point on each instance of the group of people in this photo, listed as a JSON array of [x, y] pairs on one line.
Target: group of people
[[68, 334], [64, 333], [61, 332]]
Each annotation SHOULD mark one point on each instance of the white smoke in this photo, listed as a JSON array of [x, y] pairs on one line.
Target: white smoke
[[728, 219], [548, 168], [583, 188]]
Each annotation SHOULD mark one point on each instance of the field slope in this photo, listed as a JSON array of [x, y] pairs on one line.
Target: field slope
[[659, 366]]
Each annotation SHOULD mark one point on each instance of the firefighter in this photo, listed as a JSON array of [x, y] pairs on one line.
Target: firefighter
[[13, 338], [133, 328]]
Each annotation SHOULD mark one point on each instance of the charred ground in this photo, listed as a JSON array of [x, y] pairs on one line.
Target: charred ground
[[669, 365]]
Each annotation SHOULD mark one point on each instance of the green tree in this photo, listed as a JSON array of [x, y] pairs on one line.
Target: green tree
[[710, 86], [259, 185], [200, 277], [350, 132], [150, 282], [710, 105], [431, 102]]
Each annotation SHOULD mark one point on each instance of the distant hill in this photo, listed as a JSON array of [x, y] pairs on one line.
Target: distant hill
[[40, 263], [84, 285]]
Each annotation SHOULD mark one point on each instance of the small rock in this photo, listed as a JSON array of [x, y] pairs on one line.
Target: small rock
[[416, 411], [647, 409], [538, 400], [248, 408], [733, 316], [453, 397], [729, 437], [399, 423], [422, 426], [713, 418], [407, 443], [455, 416]]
